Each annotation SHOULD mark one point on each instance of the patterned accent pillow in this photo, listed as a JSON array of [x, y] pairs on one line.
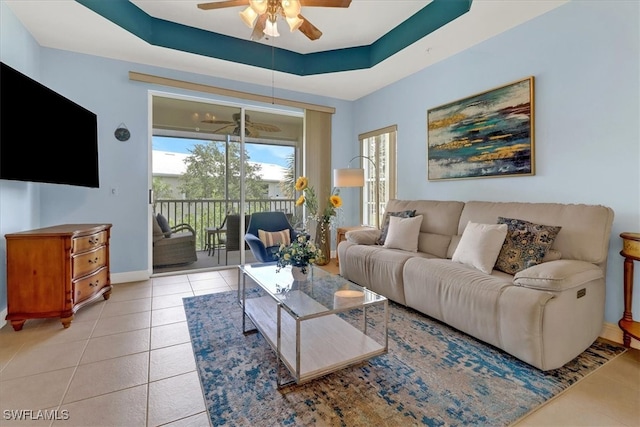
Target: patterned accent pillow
[[526, 244], [274, 238], [385, 223]]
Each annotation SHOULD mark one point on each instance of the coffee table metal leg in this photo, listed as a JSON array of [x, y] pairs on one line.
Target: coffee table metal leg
[[242, 284], [280, 364]]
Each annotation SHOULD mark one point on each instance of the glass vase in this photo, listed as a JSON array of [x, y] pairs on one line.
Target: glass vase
[[323, 243]]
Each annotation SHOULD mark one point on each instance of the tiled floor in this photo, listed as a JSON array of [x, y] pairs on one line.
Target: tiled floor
[[128, 362]]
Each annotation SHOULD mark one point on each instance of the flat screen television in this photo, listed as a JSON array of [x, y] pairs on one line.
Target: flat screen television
[[45, 137]]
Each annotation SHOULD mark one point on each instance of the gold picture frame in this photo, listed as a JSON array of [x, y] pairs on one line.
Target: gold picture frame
[[490, 134]]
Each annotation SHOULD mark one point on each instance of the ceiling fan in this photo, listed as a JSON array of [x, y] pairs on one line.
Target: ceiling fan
[[261, 15], [251, 129]]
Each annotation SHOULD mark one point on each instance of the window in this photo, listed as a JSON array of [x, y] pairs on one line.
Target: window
[[379, 174]]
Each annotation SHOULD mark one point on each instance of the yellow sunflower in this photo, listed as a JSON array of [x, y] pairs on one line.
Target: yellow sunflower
[[301, 183], [300, 201], [336, 201]]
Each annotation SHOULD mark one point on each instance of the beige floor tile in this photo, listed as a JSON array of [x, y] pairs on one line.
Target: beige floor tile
[[54, 333], [168, 315], [7, 351], [166, 301], [118, 308], [120, 408], [168, 335], [212, 291], [39, 391], [167, 280], [563, 412], [35, 359], [174, 398], [204, 276], [106, 376], [91, 311], [174, 288], [198, 420], [129, 293], [209, 284], [171, 361], [110, 346], [124, 323]]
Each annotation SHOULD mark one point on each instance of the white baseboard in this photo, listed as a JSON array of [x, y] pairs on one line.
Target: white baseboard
[[3, 317], [130, 276]]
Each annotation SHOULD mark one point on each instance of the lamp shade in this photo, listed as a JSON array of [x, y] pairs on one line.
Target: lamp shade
[[348, 177], [291, 8], [294, 23], [271, 28], [259, 6], [248, 16]]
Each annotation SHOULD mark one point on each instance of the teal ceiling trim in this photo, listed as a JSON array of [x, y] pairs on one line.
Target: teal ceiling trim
[[159, 32]]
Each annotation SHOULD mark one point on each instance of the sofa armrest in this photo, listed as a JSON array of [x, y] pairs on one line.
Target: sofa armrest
[[558, 275], [363, 237]]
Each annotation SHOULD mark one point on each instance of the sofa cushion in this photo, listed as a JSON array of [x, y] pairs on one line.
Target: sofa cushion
[[526, 244], [403, 233], [480, 245], [274, 238], [363, 237], [385, 223], [558, 275], [164, 225]]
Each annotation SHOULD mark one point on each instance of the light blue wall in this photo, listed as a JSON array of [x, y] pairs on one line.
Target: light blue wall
[[585, 60]]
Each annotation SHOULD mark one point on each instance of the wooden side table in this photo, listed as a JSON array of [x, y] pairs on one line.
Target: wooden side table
[[341, 236], [630, 252]]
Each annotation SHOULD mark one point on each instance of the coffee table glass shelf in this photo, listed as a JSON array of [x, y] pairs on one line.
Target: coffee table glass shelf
[[315, 327]]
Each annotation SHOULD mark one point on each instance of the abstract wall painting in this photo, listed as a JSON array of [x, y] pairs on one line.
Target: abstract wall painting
[[485, 135]]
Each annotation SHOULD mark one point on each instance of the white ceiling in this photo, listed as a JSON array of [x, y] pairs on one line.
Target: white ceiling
[[67, 25]]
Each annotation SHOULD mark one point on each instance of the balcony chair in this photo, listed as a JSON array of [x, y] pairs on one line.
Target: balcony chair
[[230, 240], [172, 245], [269, 222]]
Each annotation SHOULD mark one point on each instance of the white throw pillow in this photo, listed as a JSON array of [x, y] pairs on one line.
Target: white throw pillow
[[480, 245], [403, 233]]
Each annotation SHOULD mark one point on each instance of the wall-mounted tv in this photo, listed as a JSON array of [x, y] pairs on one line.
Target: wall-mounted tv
[[45, 137]]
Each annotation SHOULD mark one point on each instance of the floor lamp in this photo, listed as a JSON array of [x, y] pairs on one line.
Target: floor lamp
[[354, 177]]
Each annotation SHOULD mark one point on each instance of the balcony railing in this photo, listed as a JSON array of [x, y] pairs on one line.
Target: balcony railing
[[207, 213]]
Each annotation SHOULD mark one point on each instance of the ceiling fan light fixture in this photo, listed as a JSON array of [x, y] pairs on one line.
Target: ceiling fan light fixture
[[248, 16], [291, 8], [294, 23], [259, 6], [271, 28]]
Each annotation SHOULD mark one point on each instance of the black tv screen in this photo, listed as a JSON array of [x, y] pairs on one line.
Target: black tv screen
[[45, 137]]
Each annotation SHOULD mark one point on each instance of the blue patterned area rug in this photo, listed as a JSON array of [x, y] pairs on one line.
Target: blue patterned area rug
[[432, 375]]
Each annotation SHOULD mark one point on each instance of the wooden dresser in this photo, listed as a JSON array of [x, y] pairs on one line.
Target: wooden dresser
[[54, 271]]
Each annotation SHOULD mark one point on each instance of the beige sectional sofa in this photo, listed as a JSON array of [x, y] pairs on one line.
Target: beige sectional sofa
[[545, 314]]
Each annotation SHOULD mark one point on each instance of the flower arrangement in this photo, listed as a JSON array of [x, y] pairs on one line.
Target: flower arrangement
[[300, 253], [310, 200]]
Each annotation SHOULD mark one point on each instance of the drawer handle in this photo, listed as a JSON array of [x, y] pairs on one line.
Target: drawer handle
[[94, 240], [91, 284], [94, 261]]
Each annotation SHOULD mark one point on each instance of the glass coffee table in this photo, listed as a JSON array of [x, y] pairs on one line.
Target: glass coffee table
[[315, 327]]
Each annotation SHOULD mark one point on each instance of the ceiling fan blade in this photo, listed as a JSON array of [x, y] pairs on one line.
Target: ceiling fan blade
[[309, 30], [258, 28], [223, 4], [325, 3]]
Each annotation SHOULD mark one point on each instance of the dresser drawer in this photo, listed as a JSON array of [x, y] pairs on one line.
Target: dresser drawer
[[89, 262], [80, 244], [89, 285]]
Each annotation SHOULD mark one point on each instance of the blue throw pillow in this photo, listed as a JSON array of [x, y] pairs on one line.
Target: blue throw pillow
[[164, 225]]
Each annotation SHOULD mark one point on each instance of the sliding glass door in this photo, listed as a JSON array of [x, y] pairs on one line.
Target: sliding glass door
[[213, 165]]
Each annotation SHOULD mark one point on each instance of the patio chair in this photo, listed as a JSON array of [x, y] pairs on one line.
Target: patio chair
[[172, 245], [230, 240], [269, 222]]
